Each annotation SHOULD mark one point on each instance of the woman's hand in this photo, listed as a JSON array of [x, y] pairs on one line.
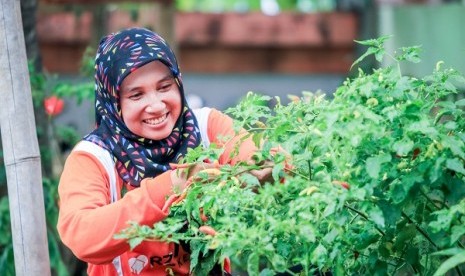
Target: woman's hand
[[263, 175], [183, 174]]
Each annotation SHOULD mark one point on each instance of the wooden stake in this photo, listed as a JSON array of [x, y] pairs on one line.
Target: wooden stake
[[20, 148]]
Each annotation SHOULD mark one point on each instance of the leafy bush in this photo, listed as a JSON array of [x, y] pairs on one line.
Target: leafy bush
[[376, 184]]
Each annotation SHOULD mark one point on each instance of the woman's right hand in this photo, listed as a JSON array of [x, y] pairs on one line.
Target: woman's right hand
[[182, 174]]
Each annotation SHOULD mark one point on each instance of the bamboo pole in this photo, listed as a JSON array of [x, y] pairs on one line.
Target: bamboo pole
[[20, 146]]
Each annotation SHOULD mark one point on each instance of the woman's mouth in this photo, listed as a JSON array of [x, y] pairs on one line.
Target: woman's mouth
[[156, 121]]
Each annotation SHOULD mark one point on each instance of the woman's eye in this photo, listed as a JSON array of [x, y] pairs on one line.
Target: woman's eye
[[165, 87], [135, 95]]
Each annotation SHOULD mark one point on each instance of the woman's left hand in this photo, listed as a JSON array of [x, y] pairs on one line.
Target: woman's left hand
[[263, 175]]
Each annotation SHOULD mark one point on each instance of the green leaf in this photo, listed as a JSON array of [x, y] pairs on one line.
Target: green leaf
[[448, 252], [253, 263], [208, 261], [423, 126], [379, 55], [329, 237], [330, 208], [373, 164], [457, 232], [412, 257], [397, 191], [319, 254], [279, 263], [391, 212], [411, 54], [277, 171], [437, 169], [450, 125], [376, 215], [366, 238], [454, 144], [267, 272], [404, 236], [450, 263], [460, 102], [374, 42], [373, 167], [308, 233], [257, 138], [135, 242], [455, 165], [376, 48], [196, 247], [403, 147], [443, 220], [249, 180], [370, 51]]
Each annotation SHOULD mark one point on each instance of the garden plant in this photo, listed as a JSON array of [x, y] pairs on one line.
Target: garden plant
[[370, 181]]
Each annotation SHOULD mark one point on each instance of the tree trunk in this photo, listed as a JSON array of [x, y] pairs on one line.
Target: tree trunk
[[20, 146]]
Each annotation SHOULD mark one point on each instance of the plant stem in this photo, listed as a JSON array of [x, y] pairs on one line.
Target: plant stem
[[429, 199], [309, 169], [365, 217], [299, 174], [258, 129], [421, 230], [248, 169]]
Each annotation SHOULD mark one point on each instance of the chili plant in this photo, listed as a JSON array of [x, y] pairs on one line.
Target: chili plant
[[375, 184]]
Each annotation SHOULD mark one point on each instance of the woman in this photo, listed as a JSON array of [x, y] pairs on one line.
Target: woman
[[143, 124]]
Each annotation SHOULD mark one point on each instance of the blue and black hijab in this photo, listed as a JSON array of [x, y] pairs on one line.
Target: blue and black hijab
[[136, 157]]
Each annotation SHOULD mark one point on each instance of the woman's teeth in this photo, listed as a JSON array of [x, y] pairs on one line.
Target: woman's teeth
[[156, 121]]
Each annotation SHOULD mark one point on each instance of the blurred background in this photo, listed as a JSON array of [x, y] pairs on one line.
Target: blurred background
[[229, 47], [225, 49]]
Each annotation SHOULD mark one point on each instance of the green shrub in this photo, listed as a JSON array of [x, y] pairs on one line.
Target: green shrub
[[376, 185]]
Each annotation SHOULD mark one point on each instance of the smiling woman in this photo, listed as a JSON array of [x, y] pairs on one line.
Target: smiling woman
[[150, 101], [144, 128]]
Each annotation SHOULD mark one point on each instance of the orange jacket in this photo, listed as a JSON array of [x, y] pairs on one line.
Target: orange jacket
[[88, 220]]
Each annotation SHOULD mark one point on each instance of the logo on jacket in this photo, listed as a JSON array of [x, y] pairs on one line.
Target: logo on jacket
[[138, 263]]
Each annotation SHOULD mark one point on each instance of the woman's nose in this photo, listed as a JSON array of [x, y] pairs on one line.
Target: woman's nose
[[154, 103]]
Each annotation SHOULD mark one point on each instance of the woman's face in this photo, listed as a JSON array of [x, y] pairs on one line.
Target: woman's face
[[150, 101]]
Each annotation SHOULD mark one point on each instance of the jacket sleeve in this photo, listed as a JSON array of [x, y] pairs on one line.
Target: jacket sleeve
[[87, 221], [221, 132]]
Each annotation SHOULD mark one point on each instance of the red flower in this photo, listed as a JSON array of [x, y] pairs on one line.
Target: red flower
[[53, 105]]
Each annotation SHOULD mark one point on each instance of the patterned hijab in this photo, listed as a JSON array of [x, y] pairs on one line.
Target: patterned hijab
[[136, 157]]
